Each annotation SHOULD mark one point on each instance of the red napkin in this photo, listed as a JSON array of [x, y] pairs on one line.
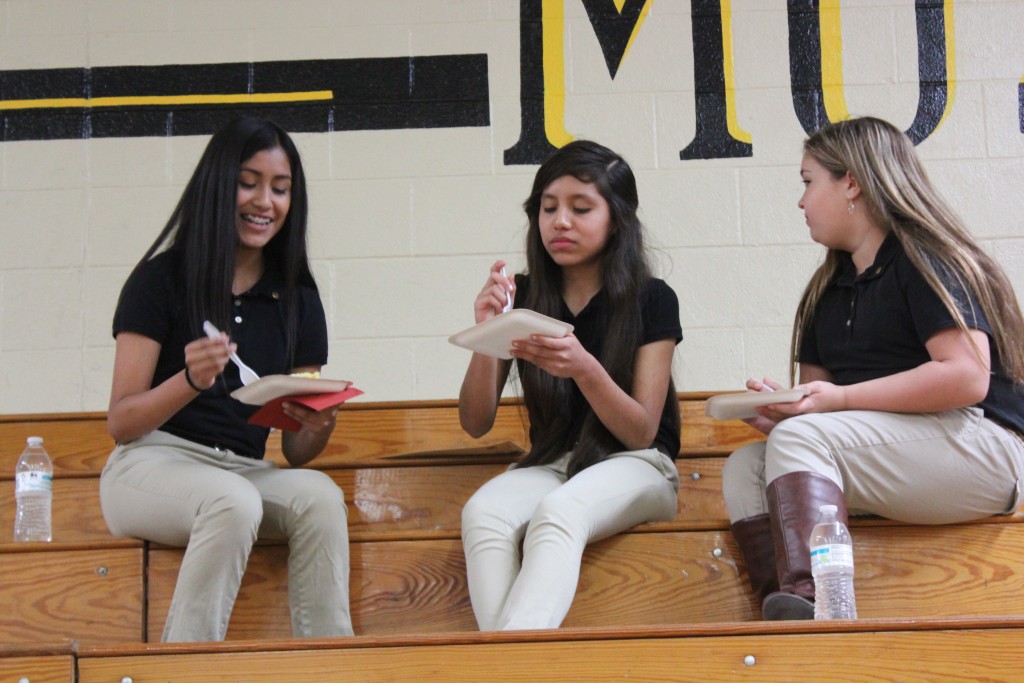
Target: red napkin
[[272, 415]]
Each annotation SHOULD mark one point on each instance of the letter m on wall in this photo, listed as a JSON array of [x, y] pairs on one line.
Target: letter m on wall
[[542, 66]]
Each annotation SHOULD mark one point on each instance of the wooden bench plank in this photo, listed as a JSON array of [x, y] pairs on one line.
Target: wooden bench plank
[[368, 435], [78, 443], [414, 502], [77, 517], [93, 596], [395, 502], [49, 669], [637, 579], [900, 656], [422, 502]]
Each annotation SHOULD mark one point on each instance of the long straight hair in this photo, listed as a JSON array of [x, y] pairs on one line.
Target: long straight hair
[[624, 272], [202, 228], [899, 196]]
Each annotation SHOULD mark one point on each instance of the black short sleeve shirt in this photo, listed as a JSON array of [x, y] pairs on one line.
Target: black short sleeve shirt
[[659, 313], [877, 323], [151, 305]]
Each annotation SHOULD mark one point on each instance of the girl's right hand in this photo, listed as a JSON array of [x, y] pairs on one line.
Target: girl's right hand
[[766, 420], [496, 292], [206, 358]]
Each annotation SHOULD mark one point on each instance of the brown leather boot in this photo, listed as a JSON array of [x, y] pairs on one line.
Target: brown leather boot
[[754, 537], [793, 502]]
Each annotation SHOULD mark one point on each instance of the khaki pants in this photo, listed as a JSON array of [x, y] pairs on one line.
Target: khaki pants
[[936, 468], [554, 519], [172, 491]]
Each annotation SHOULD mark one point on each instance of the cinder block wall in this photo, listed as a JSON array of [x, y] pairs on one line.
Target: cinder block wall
[[405, 221]]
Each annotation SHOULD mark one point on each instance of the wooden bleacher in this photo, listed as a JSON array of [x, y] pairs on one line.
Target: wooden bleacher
[[659, 595]]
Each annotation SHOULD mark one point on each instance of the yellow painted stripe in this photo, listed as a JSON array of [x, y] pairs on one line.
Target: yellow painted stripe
[[732, 122], [636, 28], [947, 12], [154, 100], [830, 25], [553, 20]]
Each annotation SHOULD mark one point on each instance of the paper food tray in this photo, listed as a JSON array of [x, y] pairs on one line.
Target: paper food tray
[[741, 406], [494, 337], [273, 386]]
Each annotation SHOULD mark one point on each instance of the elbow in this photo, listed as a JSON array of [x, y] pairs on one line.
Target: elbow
[[976, 390], [643, 439], [473, 427], [474, 422], [119, 432]]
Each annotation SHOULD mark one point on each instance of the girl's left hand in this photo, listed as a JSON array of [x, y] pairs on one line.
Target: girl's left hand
[[558, 356], [309, 419], [823, 397]]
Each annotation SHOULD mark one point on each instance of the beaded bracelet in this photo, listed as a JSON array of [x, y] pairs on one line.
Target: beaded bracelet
[[188, 378]]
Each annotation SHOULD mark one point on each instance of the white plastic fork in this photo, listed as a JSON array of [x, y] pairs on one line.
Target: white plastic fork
[[508, 294], [244, 371]]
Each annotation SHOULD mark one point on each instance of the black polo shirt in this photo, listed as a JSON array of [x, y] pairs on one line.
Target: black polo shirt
[[876, 324], [151, 304], [659, 313]]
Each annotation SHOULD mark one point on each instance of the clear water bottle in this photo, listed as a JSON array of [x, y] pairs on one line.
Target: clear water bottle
[[33, 491], [832, 567]]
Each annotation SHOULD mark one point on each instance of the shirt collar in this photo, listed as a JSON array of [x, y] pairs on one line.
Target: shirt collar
[[270, 285], [887, 251], [596, 303]]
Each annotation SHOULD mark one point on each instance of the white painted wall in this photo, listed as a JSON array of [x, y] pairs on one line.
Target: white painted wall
[[405, 222]]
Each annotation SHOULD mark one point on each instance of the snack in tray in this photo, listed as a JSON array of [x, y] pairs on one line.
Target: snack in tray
[[307, 375]]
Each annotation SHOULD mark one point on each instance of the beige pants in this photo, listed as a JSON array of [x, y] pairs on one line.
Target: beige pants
[[937, 468], [169, 490], [554, 519]]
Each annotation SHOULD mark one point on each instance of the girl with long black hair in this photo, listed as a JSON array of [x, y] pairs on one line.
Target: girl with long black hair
[[604, 420], [188, 469]]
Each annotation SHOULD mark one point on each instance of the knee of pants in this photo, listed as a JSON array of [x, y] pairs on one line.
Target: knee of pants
[[558, 515], [743, 478], [236, 512], [481, 513], [322, 503], [800, 444]]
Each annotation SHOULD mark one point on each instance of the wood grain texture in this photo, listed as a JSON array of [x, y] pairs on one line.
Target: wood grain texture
[[408, 501], [52, 669], [425, 502], [77, 517], [637, 579], [78, 445], [991, 655], [92, 596], [367, 435]]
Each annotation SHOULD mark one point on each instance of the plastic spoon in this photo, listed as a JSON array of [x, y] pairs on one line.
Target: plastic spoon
[[244, 371]]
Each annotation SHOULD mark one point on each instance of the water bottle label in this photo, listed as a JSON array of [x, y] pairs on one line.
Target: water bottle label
[[831, 556], [25, 482]]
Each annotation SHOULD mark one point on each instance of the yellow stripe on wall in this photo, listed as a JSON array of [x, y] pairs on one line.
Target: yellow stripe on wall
[[732, 122], [636, 27], [165, 100], [830, 26], [553, 20], [947, 12]]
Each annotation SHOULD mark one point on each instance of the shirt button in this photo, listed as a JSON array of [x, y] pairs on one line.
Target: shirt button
[[238, 302], [238, 318]]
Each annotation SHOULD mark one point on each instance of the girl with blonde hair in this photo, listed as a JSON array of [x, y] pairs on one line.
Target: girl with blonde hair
[[907, 339]]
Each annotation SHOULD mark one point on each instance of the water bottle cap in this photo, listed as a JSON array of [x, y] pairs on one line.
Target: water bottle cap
[[828, 508], [35, 441]]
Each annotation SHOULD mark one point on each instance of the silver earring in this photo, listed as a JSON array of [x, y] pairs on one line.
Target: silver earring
[[851, 207]]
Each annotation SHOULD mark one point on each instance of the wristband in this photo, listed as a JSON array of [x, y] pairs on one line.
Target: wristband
[[188, 378]]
